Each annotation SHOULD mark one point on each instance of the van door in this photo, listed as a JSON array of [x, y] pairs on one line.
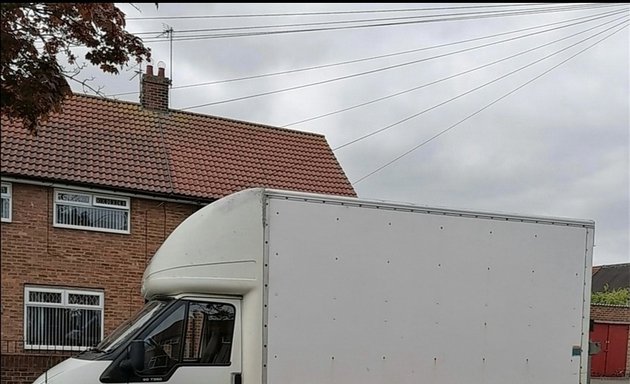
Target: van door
[[211, 350], [196, 341]]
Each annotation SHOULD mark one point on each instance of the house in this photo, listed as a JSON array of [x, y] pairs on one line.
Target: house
[[611, 323], [87, 201]]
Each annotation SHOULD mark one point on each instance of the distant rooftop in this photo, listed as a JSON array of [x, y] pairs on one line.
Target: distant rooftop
[[615, 276]]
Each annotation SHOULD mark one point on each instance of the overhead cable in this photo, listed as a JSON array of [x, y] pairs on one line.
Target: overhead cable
[[387, 24], [259, 15], [339, 78], [364, 59], [437, 81], [380, 168]]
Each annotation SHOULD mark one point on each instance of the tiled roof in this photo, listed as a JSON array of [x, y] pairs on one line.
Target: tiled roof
[[123, 146]]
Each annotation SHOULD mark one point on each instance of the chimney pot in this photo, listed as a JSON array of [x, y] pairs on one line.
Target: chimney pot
[[160, 72], [149, 69]]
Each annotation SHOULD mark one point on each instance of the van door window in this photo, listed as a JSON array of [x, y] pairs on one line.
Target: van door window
[[209, 332], [182, 338], [163, 344], [204, 328]]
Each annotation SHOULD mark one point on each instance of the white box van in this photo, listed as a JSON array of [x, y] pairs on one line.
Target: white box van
[[281, 287]]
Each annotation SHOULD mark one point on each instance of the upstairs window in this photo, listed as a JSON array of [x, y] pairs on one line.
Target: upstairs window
[[89, 211], [6, 202], [62, 319]]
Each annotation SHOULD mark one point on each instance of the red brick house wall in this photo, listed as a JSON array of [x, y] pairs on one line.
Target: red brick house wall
[[34, 252], [601, 313]]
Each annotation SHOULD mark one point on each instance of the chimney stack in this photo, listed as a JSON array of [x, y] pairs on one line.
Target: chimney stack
[[154, 89]]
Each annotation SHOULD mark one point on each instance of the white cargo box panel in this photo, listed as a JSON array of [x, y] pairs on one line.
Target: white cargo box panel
[[364, 292]]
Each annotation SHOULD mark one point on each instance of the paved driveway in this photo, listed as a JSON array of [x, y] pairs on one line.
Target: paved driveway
[[610, 381]]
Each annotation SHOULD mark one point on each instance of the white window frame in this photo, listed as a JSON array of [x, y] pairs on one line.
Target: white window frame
[[9, 196], [92, 197], [65, 293]]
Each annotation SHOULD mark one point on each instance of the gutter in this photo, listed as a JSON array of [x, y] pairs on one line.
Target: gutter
[[105, 191]]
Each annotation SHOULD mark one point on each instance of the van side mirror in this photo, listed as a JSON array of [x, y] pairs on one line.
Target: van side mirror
[[135, 357]]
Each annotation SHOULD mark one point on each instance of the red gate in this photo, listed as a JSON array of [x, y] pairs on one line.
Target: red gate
[[611, 361]]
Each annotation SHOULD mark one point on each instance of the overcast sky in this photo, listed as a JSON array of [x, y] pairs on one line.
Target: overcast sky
[[505, 109]]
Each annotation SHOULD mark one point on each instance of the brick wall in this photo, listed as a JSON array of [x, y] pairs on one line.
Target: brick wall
[[610, 313], [36, 253], [613, 314], [22, 369]]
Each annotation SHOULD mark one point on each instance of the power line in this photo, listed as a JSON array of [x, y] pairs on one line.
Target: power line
[[500, 12], [485, 107], [321, 13], [481, 86], [471, 17], [438, 81], [361, 73], [252, 77]]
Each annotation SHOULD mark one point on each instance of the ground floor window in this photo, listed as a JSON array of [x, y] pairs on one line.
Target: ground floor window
[[62, 318]]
